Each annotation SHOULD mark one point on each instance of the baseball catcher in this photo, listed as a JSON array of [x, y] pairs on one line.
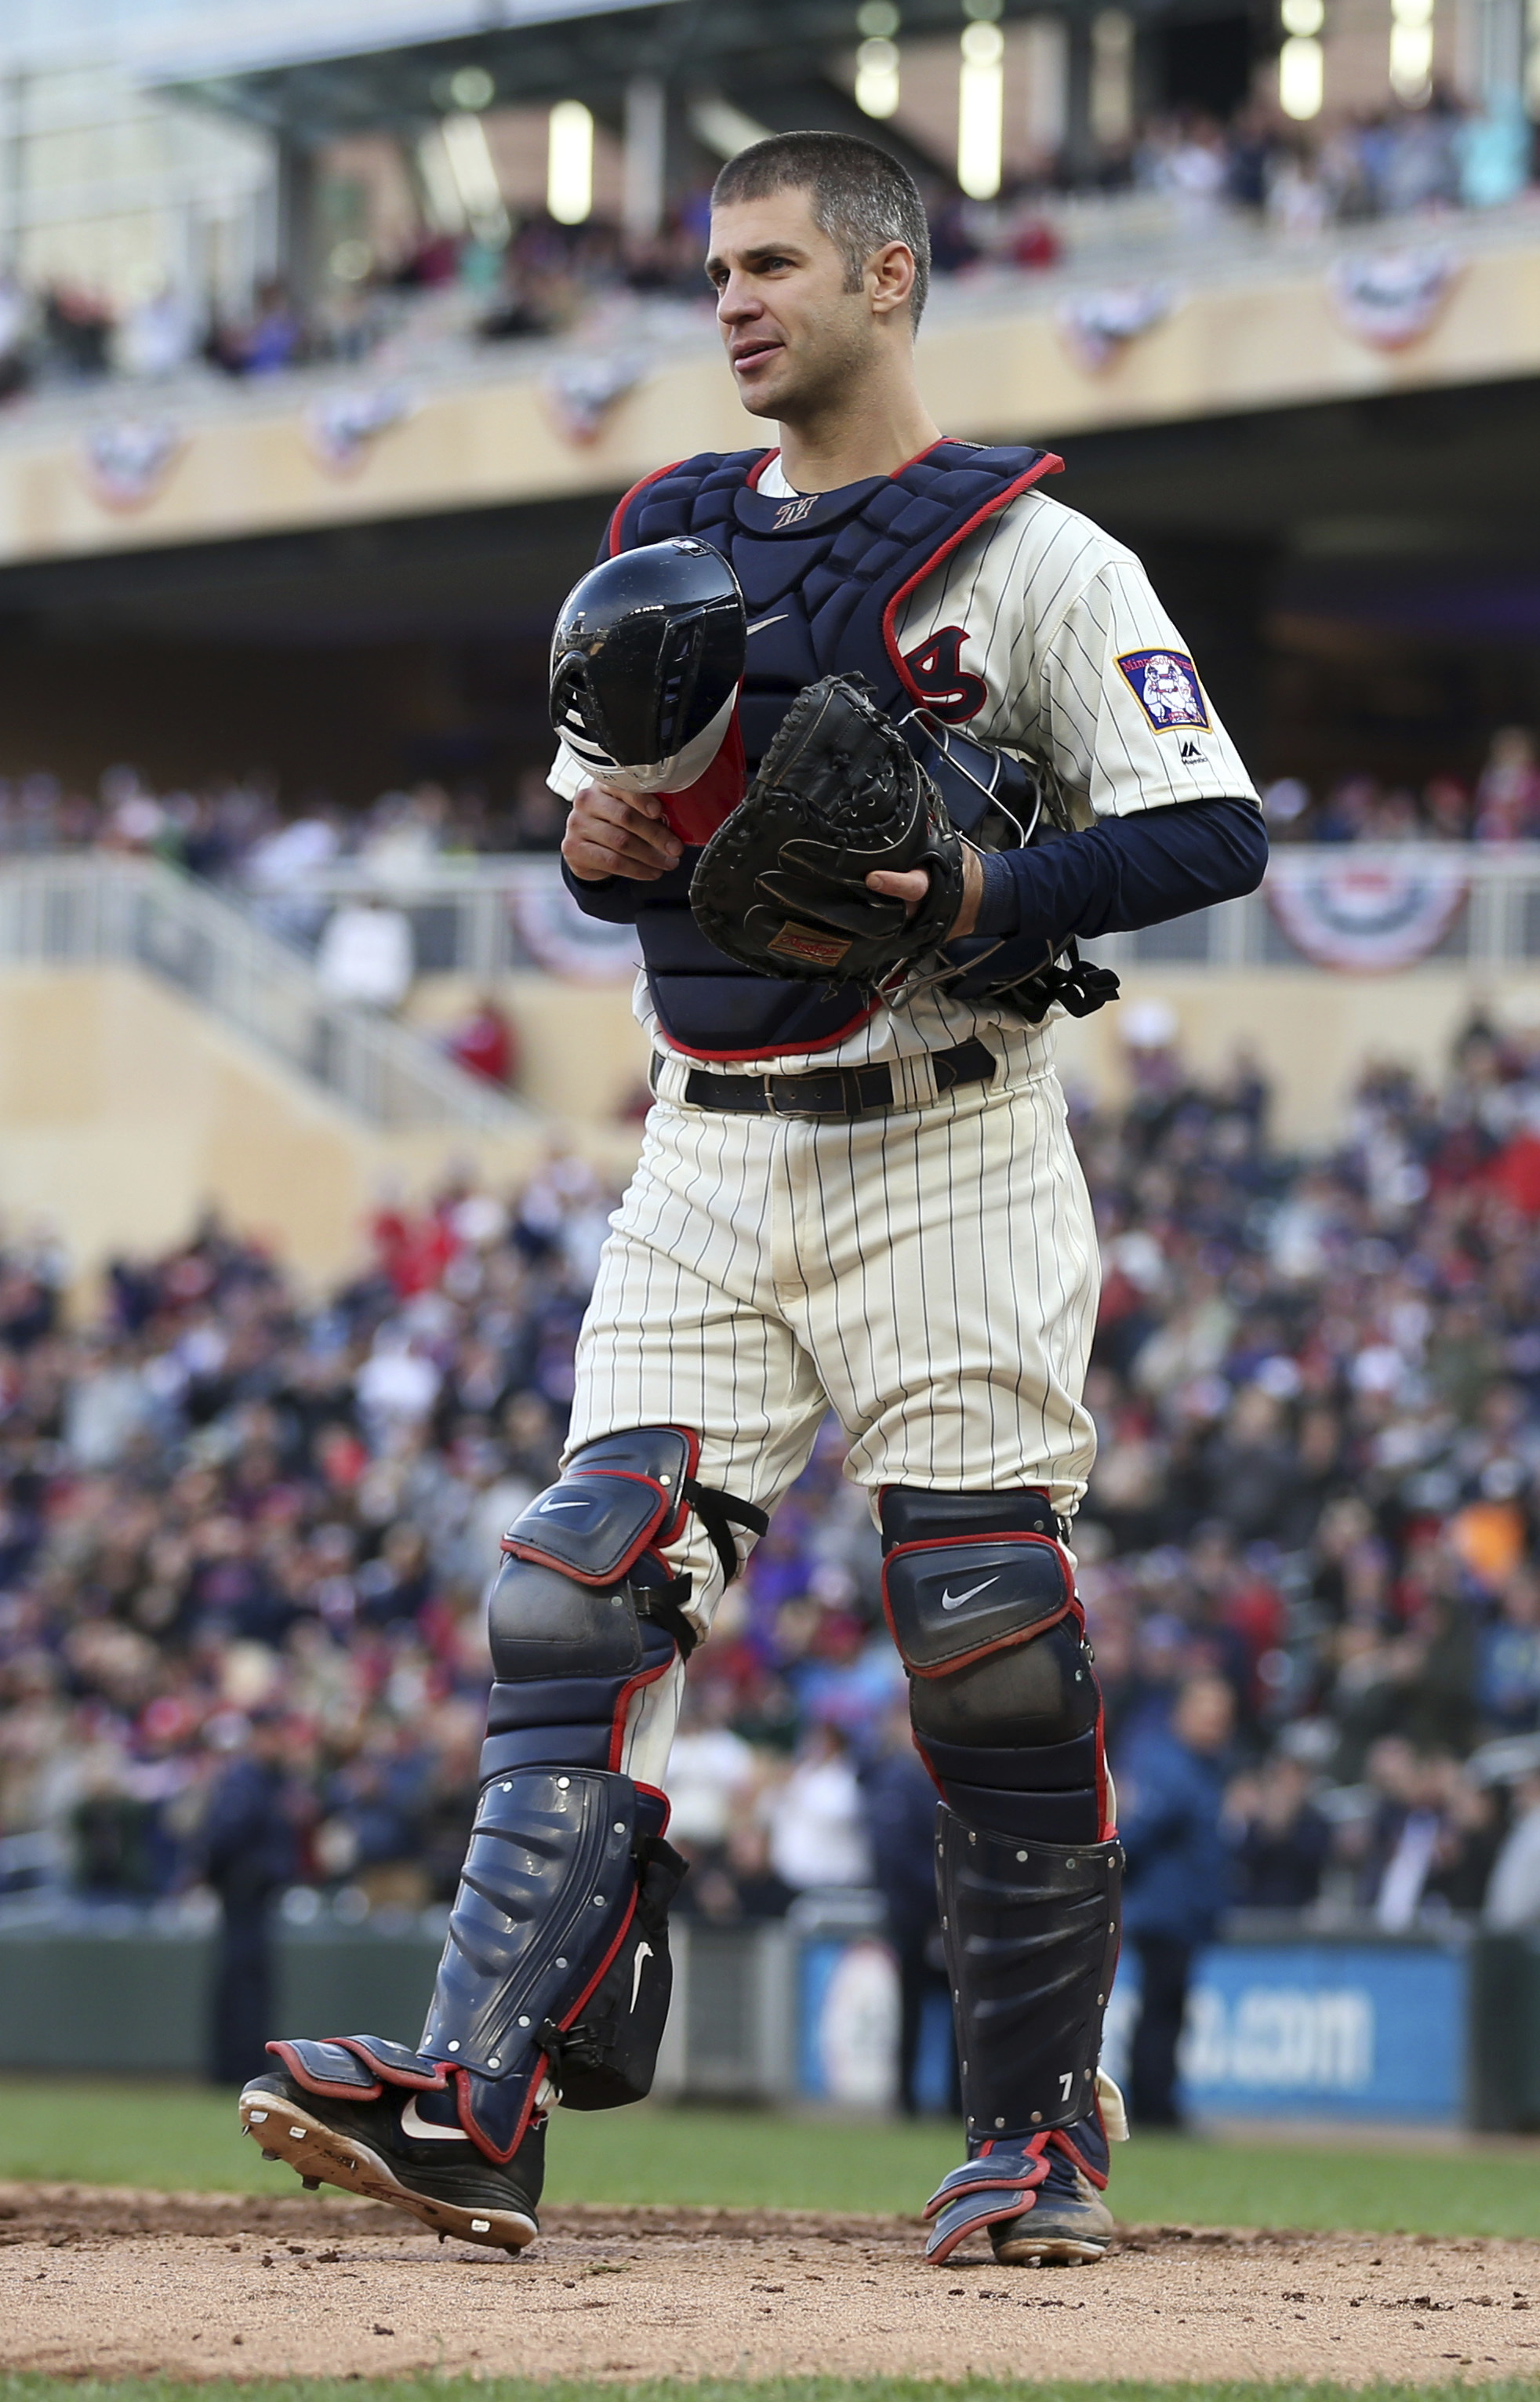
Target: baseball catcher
[[863, 732]]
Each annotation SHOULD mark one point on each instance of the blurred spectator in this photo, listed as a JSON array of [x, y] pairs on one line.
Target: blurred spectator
[[1171, 1803], [1513, 1894], [270, 338], [1279, 1839], [249, 1851], [1509, 1671], [711, 1769], [818, 1831], [540, 817], [1317, 1385], [484, 1045], [365, 954], [1507, 797], [900, 1825], [157, 337]]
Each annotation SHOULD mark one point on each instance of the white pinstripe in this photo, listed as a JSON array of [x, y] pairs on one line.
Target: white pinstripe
[[930, 1273]]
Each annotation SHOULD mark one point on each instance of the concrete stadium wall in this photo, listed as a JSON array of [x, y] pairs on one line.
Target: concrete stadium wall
[[1312, 1032], [583, 1054], [124, 1114], [1249, 343]]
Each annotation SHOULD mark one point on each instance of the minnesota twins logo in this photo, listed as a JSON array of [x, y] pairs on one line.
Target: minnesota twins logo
[[1166, 685], [937, 674], [792, 512]]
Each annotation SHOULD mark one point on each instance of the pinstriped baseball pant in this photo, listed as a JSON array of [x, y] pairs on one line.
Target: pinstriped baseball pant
[[929, 1273]]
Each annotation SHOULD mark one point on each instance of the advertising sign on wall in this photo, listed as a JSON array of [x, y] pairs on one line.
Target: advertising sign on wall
[[1366, 2031]]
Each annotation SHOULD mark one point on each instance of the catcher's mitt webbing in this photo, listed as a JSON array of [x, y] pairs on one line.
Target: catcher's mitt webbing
[[781, 885]]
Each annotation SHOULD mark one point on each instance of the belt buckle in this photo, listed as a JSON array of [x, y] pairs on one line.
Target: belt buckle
[[832, 1083]]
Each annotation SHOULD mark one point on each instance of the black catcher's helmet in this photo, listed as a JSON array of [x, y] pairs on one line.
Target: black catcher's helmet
[[648, 652]]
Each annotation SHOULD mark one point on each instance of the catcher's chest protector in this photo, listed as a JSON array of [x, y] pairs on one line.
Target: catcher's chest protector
[[824, 578]]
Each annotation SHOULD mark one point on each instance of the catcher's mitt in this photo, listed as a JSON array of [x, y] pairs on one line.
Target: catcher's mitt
[[781, 885]]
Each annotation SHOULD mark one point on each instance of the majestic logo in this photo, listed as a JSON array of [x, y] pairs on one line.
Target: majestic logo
[[1192, 753], [947, 688], [954, 1600], [792, 512], [1166, 685]]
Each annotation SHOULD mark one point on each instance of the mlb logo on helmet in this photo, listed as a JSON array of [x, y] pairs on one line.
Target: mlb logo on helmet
[[1166, 685]]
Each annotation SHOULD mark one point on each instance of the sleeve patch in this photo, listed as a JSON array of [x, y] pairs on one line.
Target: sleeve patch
[[1166, 685]]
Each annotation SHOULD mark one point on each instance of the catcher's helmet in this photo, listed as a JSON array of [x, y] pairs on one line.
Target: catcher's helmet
[[646, 661]]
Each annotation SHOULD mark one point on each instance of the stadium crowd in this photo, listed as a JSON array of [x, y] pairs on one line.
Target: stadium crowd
[[234, 831], [546, 277], [241, 1526]]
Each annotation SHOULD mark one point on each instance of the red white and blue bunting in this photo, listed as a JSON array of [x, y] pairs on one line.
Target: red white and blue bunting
[[1364, 916]]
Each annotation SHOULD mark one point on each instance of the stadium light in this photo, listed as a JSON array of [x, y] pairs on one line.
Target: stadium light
[[1411, 50], [444, 205], [981, 108], [570, 163], [1046, 57], [1301, 74], [1112, 77], [877, 76], [472, 165], [472, 87], [877, 59]]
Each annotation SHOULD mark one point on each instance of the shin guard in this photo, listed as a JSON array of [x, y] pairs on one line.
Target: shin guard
[[1031, 1938]]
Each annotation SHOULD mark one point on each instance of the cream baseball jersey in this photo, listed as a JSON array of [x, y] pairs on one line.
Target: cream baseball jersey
[[1052, 641]]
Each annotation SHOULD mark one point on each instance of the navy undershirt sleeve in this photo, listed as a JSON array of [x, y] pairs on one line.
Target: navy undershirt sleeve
[[1119, 875], [615, 898]]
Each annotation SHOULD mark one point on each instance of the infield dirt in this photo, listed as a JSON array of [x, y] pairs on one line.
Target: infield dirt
[[112, 2282]]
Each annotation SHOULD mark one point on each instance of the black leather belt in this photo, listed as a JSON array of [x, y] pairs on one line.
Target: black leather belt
[[832, 1092]]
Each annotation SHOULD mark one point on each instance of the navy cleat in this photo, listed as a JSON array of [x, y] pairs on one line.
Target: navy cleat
[[1041, 2199], [401, 2146]]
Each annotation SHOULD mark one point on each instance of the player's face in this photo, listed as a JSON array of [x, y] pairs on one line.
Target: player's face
[[795, 336]]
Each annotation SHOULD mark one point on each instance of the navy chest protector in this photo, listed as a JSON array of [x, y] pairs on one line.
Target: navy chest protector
[[824, 578]]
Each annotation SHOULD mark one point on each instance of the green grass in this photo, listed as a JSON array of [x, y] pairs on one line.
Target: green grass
[[119, 2132]]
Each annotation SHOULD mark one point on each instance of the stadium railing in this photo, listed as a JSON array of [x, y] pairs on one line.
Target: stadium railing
[[1440, 903], [98, 911]]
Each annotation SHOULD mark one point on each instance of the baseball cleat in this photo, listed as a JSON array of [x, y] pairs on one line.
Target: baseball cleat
[[371, 2147], [1041, 2199], [1068, 2225]]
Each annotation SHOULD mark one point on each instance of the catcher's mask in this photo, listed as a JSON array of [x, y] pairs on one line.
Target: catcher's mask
[[646, 661]]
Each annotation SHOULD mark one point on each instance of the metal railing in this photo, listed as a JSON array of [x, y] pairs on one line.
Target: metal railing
[[1449, 905], [1476, 908], [95, 911]]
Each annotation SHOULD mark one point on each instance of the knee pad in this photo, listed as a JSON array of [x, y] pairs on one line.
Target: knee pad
[[586, 1609], [980, 1596]]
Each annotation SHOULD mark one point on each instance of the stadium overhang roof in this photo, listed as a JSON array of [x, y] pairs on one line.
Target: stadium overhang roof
[[395, 70]]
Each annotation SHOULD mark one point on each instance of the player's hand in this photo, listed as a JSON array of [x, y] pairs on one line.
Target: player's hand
[[615, 834], [910, 885]]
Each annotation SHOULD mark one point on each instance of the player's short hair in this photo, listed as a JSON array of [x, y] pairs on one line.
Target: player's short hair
[[861, 196]]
